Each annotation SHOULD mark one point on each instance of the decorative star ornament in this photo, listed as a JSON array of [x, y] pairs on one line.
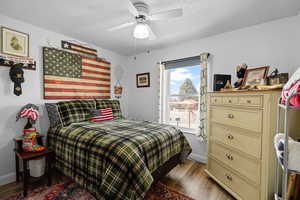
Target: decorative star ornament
[[66, 45]]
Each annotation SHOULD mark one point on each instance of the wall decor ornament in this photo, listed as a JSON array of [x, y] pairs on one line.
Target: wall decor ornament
[[118, 89], [10, 61], [14, 42], [16, 74], [72, 76], [78, 48], [143, 80]]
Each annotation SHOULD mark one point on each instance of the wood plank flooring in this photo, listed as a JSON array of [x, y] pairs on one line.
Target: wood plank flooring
[[188, 178]]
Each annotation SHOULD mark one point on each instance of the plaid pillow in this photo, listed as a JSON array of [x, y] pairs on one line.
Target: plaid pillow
[[75, 111], [114, 104], [53, 114]]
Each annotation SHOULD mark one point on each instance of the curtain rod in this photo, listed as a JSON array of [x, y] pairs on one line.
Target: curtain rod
[[181, 59]]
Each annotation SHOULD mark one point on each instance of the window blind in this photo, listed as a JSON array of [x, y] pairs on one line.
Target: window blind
[[184, 62]]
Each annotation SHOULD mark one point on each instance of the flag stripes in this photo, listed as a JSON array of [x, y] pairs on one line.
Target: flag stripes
[[105, 114], [93, 80]]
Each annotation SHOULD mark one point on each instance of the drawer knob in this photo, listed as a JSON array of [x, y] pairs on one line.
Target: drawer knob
[[229, 156], [248, 101], [215, 100], [229, 101], [228, 177], [230, 116], [230, 137]]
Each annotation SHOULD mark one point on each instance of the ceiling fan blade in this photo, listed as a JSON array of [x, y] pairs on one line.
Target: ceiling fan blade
[[132, 9], [152, 35], [125, 25], [167, 14]]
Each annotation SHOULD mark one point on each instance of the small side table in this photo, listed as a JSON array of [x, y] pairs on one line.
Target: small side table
[[26, 157]]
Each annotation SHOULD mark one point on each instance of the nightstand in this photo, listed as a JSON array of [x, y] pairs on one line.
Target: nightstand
[[25, 157]]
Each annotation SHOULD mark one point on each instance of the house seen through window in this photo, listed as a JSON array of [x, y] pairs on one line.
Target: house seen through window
[[182, 97]]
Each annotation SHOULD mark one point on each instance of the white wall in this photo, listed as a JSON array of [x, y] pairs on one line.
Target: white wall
[[276, 43], [32, 91]]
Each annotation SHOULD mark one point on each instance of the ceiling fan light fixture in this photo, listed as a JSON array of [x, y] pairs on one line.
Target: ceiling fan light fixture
[[141, 31]]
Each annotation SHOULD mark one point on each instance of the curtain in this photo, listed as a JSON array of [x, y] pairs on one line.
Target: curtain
[[203, 97], [161, 70]]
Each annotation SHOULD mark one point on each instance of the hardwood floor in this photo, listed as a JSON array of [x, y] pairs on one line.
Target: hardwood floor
[[188, 178]]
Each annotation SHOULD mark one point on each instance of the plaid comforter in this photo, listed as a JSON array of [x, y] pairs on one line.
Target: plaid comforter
[[115, 159]]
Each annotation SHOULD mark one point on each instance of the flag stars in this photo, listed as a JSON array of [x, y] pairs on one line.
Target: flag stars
[[66, 45]]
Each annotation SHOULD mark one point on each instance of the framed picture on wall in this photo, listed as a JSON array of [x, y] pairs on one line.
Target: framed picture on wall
[[143, 80], [14, 42], [255, 76]]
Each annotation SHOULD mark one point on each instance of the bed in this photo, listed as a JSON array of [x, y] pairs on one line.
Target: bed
[[117, 159]]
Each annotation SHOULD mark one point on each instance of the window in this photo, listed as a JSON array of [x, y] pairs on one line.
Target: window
[[181, 95]]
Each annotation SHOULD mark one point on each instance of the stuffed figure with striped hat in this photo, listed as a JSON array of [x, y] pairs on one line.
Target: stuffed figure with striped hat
[[31, 112]]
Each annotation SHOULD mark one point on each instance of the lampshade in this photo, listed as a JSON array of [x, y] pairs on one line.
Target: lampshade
[[141, 31]]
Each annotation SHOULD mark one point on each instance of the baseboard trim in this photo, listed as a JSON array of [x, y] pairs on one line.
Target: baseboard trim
[[198, 158], [8, 178]]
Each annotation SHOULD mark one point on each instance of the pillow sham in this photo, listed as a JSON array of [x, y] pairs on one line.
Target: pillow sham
[[53, 114], [75, 111], [101, 115], [114, 104]]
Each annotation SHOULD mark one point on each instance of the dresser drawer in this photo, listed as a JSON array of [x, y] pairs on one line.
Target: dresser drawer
[[250, 100], [246, 119], [216, 100], [245, 166], [237, 138], [230, 100], [233, 181]]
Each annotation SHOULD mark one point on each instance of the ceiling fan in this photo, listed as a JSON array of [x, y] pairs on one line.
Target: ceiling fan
[[140, 11]]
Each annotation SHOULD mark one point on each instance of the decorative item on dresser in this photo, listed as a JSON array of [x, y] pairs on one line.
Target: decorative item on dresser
[[255, 76], [241, 127], [220, 81]]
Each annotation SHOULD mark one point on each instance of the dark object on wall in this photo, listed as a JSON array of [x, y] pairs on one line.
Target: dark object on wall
[[16, 74], [220, 81], [143, 80], [78, 48], [240, 73], [9, 61], [275, 78]]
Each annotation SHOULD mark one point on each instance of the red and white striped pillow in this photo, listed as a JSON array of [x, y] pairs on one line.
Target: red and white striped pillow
[[104, 115]]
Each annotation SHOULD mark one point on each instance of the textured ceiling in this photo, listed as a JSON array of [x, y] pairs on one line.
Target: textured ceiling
[[88, 20]]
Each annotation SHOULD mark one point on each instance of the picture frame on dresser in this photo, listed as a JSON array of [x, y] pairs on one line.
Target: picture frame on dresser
[[255, 76], [14, 43]]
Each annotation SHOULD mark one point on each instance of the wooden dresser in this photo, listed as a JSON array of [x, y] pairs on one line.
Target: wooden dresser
[[241, 126]]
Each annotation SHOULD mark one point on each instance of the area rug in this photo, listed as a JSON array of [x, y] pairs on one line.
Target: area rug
[[69, 190]]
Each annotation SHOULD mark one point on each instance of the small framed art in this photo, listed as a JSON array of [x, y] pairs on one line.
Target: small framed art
[[256, 76], [143, 80], [14, 42]]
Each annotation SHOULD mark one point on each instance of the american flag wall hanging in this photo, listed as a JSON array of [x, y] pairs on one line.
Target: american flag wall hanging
[[78, 48], [71, 76]]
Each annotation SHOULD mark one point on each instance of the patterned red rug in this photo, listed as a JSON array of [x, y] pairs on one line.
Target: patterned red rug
[[68, 190]]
